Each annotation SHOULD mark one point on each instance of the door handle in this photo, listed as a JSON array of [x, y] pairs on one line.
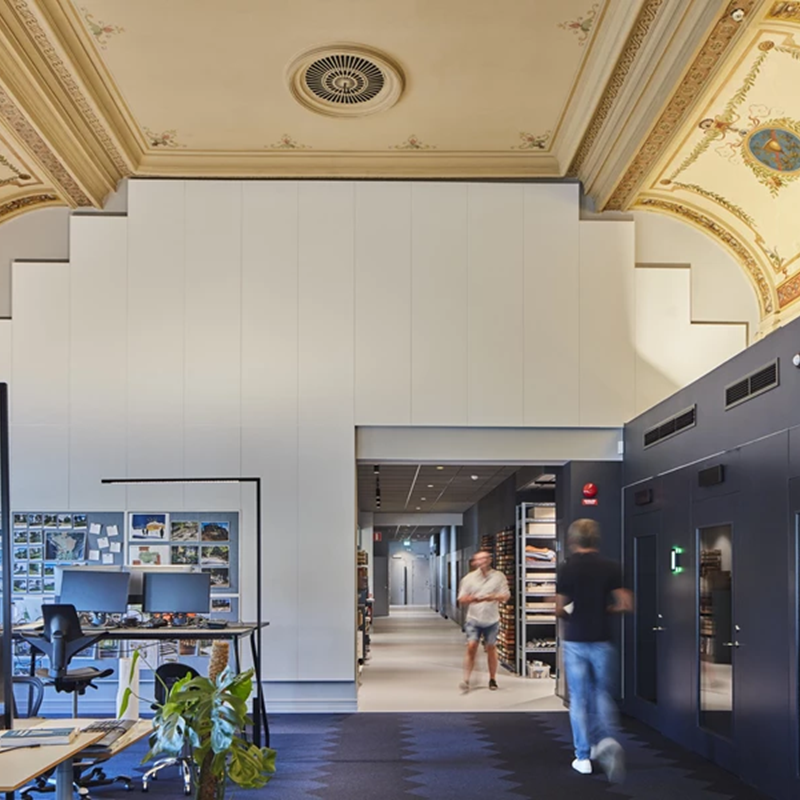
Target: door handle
[[659, 628], [731, 644]]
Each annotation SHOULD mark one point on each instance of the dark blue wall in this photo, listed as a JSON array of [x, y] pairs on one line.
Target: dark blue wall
[[758, 444]]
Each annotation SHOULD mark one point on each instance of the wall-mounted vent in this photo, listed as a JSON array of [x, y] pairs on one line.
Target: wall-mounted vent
[[752, 385], [643, 497], [711, 476], [670, 427]]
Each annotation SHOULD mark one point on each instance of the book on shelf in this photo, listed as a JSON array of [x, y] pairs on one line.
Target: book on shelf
[[30, 737]]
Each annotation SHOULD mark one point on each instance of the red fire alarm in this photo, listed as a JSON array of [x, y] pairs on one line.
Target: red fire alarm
[[589, 494], [377, 536]]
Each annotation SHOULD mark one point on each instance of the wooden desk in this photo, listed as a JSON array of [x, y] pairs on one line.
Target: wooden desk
[[19, 766]]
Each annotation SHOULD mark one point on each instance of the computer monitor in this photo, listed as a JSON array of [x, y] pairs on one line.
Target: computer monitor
[[84, 568], [136, 586], [95, 591], [177, 593]]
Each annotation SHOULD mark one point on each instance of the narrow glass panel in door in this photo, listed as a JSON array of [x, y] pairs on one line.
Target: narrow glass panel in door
[[716, 643], [646, 621]]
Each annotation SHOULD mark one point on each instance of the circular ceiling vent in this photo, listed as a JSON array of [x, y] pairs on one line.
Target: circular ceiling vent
[[345, 81]]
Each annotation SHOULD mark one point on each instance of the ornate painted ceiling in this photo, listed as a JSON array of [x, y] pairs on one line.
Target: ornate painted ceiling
[[733, 167], [676, 106]]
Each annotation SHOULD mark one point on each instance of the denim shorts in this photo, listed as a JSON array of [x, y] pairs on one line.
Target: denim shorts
[[475, 631]]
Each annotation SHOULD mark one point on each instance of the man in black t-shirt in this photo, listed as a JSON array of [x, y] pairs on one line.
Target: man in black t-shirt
[[589, 589]]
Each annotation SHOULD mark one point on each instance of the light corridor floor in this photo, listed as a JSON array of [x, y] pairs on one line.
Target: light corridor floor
[[415, 664]]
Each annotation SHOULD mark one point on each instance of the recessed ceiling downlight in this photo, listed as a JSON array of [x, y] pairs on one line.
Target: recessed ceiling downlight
[[345, 80]]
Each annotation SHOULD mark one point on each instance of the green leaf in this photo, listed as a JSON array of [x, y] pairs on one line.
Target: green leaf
[[126, 697]]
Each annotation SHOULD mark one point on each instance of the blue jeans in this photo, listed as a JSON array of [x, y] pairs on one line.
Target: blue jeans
[[590, 668]]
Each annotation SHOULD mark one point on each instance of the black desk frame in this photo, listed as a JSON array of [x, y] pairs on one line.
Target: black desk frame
[[234, 633], [259, 706]]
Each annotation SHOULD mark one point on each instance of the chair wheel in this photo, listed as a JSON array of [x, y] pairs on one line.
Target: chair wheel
[[145, 788], [187, 790]]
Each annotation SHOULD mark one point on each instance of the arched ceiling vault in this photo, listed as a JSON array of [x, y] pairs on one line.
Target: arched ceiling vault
[[675, 106]]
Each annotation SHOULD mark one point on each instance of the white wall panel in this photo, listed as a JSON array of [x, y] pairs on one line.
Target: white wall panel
[[39, 457], [495, 304], [383, 302], [213, 292], [552, 339], [40, 344], [326, 432], [671, 352], [98, 314], [607, 326], [269, 408], [439, 304], [212, 451], [96, 452]]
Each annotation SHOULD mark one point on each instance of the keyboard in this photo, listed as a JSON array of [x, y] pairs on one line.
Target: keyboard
[[113, 729]]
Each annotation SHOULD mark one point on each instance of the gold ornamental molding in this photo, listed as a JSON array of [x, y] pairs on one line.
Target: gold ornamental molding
[[65, 77], [631, 49], [785, 11], [18, 123], [726, 238], [21, 204], [691, 86]]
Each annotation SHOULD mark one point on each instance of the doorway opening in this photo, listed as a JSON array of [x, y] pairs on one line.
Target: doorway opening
[[419, 527]]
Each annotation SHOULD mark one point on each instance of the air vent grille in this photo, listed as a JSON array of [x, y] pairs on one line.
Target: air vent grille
[[670, 427], [344, 78], [752, 385]]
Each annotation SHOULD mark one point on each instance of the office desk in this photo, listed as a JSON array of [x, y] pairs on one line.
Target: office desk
[[19, 766], [234, 632]]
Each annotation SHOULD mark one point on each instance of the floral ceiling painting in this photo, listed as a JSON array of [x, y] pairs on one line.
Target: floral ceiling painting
[[736, 172]]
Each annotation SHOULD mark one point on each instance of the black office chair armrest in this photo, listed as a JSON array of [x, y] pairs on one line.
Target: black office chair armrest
[[38, 692]]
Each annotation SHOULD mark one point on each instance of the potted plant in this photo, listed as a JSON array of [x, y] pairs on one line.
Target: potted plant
[[208, 715]]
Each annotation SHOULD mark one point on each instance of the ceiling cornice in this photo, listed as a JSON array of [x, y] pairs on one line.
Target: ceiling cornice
[[322, 164], [54, 103], [613, 192], [627, 25]]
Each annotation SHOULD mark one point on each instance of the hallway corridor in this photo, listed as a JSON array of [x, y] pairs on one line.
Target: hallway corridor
[[415, 665]]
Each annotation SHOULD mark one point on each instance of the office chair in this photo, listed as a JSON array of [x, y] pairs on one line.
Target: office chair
[[61, 639], [35, 693], [167, 675]]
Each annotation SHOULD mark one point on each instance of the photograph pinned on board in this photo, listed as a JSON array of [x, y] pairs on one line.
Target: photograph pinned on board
[[148, 526], [35, 569], [34, 585], [220, 577], [221, 605], [49, 570], [36, 536], [20, 568], [215, 555], [185, 554], [80, 521], [20, 554], [50, 521], [20, 520], [185, 530], [19, 585], [65, 520], [49, 585], [65, 546], [35, 520], [149, 555], [20, 537], [216, 531], [36, 553]]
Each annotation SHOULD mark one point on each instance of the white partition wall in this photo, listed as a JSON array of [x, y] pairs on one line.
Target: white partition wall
[[248, 328]]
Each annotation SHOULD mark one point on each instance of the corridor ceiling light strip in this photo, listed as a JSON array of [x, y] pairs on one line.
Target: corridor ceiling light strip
[[413, 484]]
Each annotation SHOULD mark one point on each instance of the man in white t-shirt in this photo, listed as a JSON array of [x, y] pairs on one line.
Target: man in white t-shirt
[[482, 591]]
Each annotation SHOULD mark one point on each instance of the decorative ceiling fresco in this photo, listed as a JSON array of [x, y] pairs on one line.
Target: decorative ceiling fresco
[[733, 168], [674, 106]]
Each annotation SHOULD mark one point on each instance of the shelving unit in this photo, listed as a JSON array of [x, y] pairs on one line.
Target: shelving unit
[[505, 559], [537, 554], [364, 608]]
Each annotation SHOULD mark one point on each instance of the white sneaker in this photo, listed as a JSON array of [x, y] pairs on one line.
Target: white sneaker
[[611, 758], [582, 765]]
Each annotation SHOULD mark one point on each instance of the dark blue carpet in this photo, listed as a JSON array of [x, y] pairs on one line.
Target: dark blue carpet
[[454, 756]]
